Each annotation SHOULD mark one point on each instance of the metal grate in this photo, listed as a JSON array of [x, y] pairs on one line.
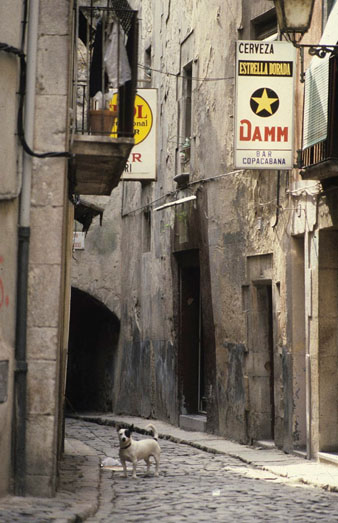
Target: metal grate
[[105, 67], [124, 13]]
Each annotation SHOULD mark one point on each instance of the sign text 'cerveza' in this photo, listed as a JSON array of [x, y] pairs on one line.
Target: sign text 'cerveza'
[[264, 105]]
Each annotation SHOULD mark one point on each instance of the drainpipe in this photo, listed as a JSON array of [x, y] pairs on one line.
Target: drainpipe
[[308, 404], [23, 257], [308, 315]]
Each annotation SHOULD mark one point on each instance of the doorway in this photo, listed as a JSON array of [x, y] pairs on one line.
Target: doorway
[[93, 337], [297, 302], [191, 347], [262, 397], [328, 341]]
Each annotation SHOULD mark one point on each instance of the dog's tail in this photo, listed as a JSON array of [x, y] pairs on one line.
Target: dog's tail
[[152, 428]]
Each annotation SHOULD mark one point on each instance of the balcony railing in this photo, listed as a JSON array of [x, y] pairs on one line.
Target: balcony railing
[[314, 154], [104, 87], [105, 69], [320, 161]]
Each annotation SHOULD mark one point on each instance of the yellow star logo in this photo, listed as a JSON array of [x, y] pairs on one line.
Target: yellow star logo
[[264, 102]]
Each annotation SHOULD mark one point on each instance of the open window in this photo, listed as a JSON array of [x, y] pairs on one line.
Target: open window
[[105, 67], [319, 155], [264, 27], [187, 115]]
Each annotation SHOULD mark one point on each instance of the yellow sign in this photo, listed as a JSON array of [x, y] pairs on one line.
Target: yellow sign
[[143, 118]]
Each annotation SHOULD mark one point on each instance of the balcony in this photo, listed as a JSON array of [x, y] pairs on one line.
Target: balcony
[[319, 161], [104, 87]]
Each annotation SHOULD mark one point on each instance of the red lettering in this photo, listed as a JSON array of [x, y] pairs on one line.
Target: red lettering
[[138, 111], [136, 157], [269, 132], [245, 132], [282, 132], [257, 135]]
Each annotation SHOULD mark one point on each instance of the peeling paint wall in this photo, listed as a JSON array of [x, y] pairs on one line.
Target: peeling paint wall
[[237, 216], [96, 269], [263, 323]]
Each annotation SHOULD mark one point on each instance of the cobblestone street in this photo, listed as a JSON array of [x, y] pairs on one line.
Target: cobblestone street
[[198, 486]]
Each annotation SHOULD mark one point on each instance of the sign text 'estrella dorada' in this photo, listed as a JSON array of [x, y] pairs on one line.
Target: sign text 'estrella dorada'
[[264, 105]]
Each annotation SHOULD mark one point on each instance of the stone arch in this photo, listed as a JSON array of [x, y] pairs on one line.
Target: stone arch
[[93, 337]]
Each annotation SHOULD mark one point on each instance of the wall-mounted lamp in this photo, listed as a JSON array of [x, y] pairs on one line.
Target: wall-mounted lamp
[[294, 16], [294, 19]]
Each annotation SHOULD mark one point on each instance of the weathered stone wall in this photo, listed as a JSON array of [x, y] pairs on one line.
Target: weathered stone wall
[[239, 213], [10, 181], [48, 247], [96, 269], [256, 233]]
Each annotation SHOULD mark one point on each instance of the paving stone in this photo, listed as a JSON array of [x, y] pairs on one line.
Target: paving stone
[[193, 486]]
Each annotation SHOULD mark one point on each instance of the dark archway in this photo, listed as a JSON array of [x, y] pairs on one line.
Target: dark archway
[[93, 338]]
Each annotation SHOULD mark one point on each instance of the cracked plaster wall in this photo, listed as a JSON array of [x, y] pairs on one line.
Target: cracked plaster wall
[[96, 269], [241, 208], [240, 217]]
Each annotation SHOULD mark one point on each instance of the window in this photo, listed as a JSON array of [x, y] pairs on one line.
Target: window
[[326, 8], [320, 133], [147, 64], [146, 230], [187, 91], [264, 27]]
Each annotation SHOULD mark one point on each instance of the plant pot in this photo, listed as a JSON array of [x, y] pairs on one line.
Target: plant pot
[[101, 121]]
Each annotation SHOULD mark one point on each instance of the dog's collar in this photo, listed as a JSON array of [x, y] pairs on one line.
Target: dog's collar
[[126, 447]]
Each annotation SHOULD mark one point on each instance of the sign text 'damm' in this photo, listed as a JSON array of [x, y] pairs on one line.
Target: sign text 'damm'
[[264, 105]]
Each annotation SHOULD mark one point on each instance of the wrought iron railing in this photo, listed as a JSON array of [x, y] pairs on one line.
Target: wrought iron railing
[[105, 68], [315, 154]]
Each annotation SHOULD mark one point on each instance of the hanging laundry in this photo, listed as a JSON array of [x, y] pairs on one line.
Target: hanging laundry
[[95, 81], [83, 27], [116, 58]]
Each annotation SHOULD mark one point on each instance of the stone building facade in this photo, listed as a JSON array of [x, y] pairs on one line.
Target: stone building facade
[[228, 300], [204, 324], [46, 164], [35, 214], [219, 310]]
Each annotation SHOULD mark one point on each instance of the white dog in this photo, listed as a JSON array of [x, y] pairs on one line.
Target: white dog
[[131, 450]]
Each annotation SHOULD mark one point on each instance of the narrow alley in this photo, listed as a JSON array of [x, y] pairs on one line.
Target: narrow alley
[[202, 478], [198, 486]]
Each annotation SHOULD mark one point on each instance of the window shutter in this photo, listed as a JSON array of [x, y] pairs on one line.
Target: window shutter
[[316, 103]]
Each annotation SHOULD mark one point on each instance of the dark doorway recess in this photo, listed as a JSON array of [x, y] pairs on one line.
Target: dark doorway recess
[[191, 349], [93, 337], [265, 354], [271, 358]]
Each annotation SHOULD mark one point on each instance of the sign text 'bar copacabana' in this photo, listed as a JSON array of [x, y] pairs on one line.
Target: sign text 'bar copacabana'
[[264, 105]]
